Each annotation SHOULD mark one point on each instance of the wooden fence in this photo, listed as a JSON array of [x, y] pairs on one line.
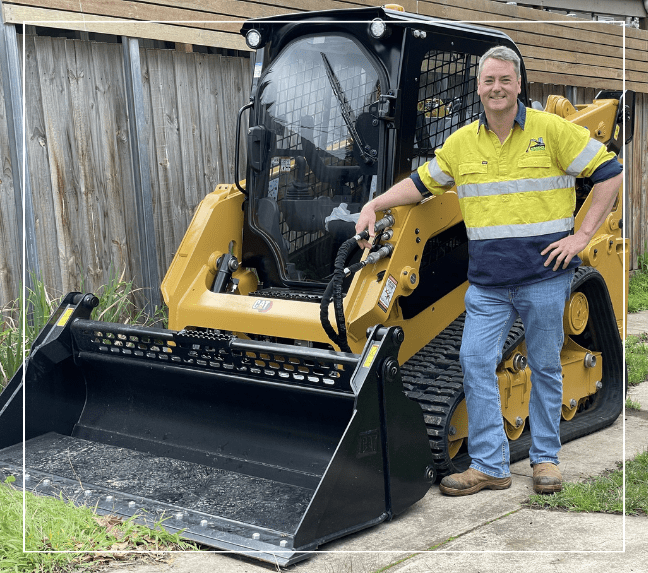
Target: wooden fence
[[80, 150], [80, 157], [556, 48]]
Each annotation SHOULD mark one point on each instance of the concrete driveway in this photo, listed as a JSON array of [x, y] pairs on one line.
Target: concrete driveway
[[489, 532]]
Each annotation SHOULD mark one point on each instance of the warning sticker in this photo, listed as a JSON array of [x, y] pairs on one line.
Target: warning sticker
[[370, 356], [65, 316], [388, 293]]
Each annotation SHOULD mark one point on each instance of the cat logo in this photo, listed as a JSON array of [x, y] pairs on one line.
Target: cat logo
[[536, 145], [261, 305]]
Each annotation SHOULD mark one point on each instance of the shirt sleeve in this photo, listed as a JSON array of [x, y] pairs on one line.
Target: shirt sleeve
[[607, 170], [433, 177], [579, 155]]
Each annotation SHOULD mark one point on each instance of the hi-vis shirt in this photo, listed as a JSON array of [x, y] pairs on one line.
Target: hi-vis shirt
[[517, 197]]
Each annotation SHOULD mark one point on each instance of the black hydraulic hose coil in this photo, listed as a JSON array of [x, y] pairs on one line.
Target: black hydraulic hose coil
[[334, 292]]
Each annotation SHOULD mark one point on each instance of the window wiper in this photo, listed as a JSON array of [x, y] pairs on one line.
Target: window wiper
[[345, 108]]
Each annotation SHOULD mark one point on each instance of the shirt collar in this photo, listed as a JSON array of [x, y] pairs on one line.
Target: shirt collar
[[520, 117]]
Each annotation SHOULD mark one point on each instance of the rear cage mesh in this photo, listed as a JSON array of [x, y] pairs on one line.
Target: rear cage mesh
[[447, 100]]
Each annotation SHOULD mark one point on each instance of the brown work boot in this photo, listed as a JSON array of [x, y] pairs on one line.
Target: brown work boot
[[471, 481], [546, 478]]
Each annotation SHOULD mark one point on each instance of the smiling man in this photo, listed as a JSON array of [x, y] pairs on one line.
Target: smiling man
[[514, 170]]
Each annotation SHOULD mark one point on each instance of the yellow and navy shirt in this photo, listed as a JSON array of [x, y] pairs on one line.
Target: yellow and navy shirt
[[519, 196]]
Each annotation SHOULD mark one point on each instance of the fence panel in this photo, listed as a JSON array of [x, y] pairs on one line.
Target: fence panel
[[637, 210], [9, 255], [80, 160]]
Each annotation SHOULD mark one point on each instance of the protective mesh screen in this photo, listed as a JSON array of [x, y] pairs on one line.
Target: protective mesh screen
[[447, 100]]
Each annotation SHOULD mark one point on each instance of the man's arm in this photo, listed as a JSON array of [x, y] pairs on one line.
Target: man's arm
[[567, 248], [403, 193]]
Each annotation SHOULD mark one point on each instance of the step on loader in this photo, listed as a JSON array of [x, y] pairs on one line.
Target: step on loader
[[253, 424]]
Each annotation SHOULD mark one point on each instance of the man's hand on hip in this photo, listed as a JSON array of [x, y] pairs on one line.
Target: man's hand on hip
[[565, 250]]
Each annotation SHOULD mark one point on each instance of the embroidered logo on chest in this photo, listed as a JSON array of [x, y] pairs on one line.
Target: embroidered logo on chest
[[536, 145]]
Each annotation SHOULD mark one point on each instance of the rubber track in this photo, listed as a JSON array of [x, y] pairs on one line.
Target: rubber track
[[433, 378]]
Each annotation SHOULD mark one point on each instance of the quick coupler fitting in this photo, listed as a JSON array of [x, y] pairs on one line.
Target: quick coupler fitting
[[385, 251]]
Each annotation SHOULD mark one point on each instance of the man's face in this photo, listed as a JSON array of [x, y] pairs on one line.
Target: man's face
[[498, 86]]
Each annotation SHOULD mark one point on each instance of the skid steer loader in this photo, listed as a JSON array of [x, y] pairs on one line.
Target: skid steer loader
[[251, 423]]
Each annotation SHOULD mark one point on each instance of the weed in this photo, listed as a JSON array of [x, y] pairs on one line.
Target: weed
[[632, 405], [637, 360], [115, 305]]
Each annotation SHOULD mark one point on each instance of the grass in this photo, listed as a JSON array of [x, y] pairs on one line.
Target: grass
[[604, 493], [638, 287], [54, 525], [67, 536], [116, 304], [637, 359]]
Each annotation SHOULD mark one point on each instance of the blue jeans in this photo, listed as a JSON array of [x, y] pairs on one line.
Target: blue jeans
[[490, 313]]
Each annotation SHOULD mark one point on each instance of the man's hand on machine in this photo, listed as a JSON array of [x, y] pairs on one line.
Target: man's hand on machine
[[366, 222]]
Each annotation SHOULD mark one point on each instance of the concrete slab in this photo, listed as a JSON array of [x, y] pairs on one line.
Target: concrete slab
[[637, 323], [506, 542], [430, 534]]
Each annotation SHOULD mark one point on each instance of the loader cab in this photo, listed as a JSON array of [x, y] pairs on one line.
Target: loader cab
[[344, 104]]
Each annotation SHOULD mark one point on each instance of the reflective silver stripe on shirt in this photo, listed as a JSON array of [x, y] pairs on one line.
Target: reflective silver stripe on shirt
[[524, 230], [438, 175], [584, 157], [515, 186]]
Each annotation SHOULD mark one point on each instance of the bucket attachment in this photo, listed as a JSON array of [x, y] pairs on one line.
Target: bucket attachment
[[264, 449]]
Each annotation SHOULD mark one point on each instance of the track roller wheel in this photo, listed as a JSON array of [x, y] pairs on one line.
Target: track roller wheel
[[568, 412], [458, 429], [513, 432]]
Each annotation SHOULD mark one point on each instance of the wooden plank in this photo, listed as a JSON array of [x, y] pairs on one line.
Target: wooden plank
[[93, 209], [209, 130], [643, 170], [81, 167], [580, 81], [160, 231], [16, 14], [224, 109], [113, 143], [10, 275], [188, 128], [50, 54], [246, 82], [211, 16], [235, 90], [633, 209], [170, 213], [575, 69], [126, 10], [39, 172], [600, 61]]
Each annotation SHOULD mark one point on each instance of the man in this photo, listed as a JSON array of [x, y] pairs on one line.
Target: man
[[515, 171]]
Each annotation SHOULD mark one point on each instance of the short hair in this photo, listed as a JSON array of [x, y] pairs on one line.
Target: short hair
[[500, 53]]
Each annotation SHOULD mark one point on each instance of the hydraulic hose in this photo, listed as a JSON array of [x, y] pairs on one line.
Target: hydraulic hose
[[333, 290]]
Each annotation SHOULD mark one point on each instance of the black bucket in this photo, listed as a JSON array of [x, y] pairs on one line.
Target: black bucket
[[265, 449]]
